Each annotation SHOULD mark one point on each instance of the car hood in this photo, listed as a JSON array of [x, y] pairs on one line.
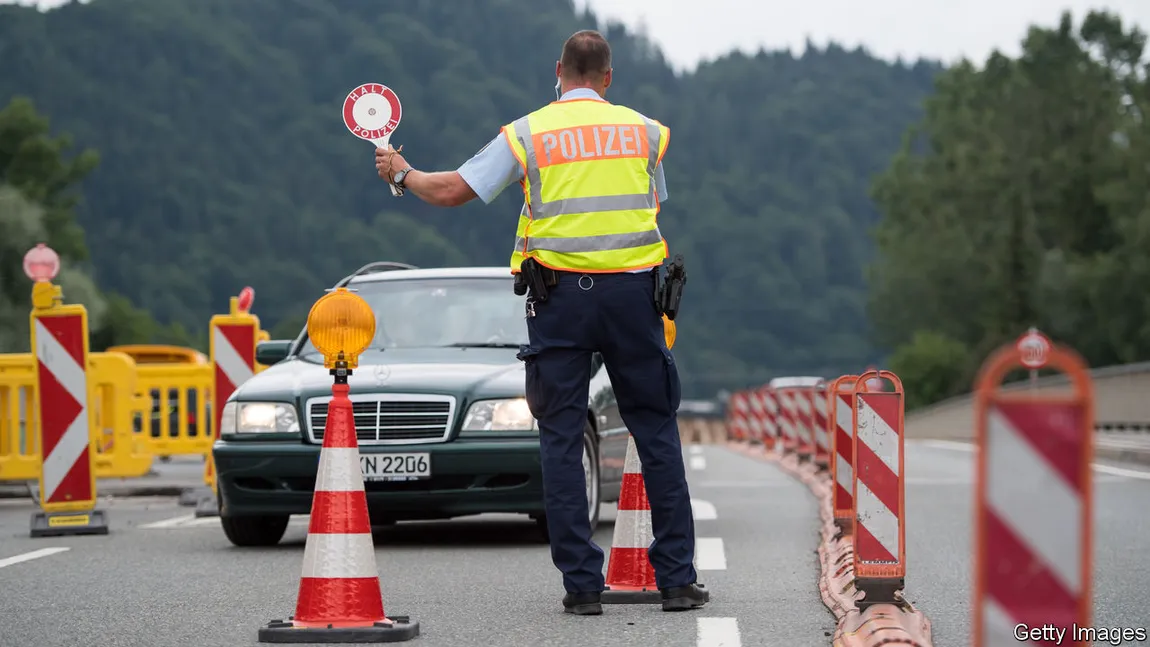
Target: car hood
[[466, 373]]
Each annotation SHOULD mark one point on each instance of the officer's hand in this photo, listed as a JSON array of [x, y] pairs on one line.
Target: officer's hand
[[388, 162]]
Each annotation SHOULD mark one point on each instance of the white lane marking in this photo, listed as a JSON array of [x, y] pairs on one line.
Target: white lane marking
[[717, 632], [703, 510], [709, 554], [186, 521], [1118, 471], [746, 484], [696, 449], [174, 522], [698, 462], [27, 557], [1098, 467]]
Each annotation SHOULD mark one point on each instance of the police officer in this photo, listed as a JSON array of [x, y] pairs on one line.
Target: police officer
[[587, 243]]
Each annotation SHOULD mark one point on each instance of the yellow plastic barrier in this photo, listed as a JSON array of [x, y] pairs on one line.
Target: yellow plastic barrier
[[112, 397], [112, 382], [178, 405], [146, 401], [19, 435]]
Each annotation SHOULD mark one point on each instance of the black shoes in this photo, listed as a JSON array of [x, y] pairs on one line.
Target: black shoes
[[583, 604], [684, 598], [678, 598]]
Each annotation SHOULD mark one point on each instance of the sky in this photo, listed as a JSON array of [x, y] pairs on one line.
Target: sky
[[938, 29]]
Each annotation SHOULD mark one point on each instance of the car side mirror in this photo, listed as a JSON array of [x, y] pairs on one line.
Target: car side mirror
[[272, 352], [596, 362]]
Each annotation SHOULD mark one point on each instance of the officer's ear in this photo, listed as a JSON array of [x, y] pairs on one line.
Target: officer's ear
[[607, 79]]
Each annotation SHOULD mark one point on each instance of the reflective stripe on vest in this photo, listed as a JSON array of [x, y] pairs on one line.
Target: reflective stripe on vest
[[635, 241]]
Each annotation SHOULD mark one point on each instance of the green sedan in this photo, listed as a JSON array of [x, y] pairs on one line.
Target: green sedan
[[444, 430]]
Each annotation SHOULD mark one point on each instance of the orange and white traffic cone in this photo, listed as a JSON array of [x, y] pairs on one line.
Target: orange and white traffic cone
[[630, 576], [339, 591]]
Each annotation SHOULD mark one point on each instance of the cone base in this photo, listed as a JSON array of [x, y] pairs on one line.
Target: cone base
[[64, 524], [393, 630], [631, 596]]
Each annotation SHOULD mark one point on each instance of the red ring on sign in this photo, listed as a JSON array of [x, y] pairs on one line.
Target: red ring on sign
[[365, 89]]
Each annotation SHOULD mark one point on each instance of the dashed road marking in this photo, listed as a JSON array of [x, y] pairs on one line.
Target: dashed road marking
[[709, 554], [1098, 467], [745, 484], [27, 557], [183, 521], [703, 510], [192, 521], [1119, 471], [698, 462], [717, 632], [696, 449], [947, 444], [174, 522]]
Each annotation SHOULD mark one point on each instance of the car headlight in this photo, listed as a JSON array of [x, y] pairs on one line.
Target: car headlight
[[258, 418], [499, 415]]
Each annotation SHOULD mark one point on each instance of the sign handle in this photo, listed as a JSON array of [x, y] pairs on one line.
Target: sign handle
[[382, 143]]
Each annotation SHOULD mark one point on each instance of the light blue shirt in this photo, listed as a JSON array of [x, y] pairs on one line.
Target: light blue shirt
[[494, 167]]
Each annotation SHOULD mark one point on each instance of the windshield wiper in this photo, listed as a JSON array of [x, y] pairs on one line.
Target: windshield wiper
[[483, 344]]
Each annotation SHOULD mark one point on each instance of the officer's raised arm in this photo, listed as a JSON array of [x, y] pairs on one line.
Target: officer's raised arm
[[484, 176]]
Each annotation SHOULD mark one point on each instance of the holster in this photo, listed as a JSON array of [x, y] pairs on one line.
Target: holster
[[536, 278], [669, 292]]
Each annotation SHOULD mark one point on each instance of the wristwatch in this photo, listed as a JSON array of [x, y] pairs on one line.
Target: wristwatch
[[398, 179]]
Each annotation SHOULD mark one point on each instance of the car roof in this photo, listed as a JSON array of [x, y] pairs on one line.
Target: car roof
[[502, 272]]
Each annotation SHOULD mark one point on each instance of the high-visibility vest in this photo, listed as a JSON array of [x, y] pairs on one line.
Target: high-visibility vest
[[589, 187]]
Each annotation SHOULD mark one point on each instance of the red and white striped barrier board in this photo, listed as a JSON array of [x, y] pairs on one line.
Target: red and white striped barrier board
[[804, 408], [630, 575], [770, 417], [737, 408], [232, 347], [755, 427], [822, 434], [787, 428], [234, 357], [67, 478], [879, 532], [1034, 507], [842, 403]]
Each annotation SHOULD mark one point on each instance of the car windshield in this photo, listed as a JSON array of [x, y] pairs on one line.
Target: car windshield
[[421, 313]]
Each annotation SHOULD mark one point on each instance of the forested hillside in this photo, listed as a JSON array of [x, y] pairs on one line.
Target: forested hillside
[[224, 163]]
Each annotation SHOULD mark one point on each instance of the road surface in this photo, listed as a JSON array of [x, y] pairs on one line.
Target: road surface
[[165, 578]]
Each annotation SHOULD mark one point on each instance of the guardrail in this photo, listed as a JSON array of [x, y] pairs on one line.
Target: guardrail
[[1120, 403]]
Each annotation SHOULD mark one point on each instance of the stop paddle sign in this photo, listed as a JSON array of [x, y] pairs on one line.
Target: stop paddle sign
[[372, 112], [1034, 349]]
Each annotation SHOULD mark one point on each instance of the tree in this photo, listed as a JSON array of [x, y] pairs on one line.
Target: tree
[[37, 203], [1020, 200]]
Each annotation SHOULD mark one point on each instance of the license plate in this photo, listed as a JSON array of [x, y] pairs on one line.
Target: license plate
[[395, 467]]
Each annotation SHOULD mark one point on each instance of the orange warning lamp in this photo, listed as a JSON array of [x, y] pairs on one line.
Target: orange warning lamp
[[341, 325], [669, 331]]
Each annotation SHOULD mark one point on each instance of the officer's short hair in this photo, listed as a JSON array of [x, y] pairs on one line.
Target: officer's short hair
[[586, 56]]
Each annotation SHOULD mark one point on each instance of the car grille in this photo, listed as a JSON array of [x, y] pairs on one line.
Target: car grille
[[381, 420]]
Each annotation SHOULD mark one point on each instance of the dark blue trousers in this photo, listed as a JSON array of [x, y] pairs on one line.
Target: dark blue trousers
[[615, 315]]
